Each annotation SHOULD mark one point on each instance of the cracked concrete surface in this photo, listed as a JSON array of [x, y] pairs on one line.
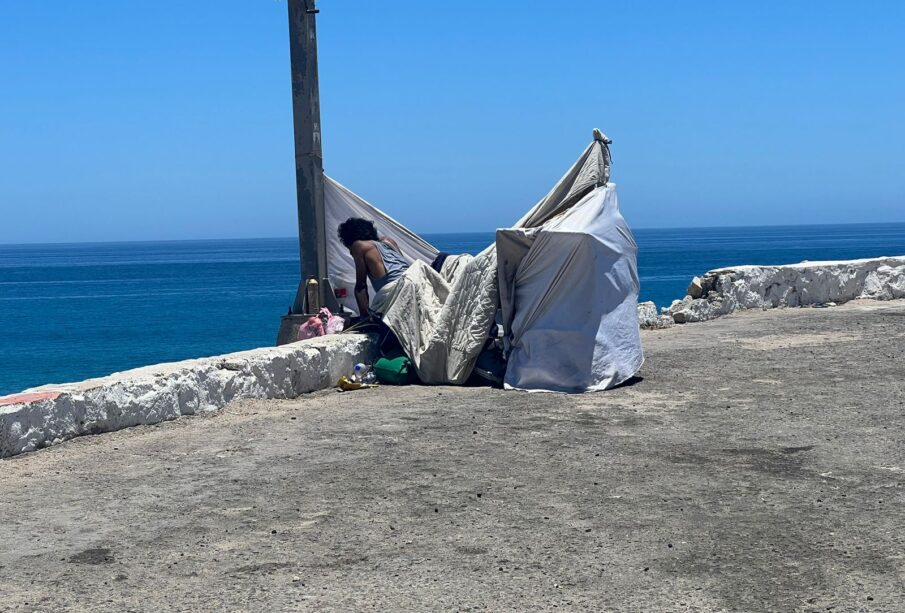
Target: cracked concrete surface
[[757, 465]]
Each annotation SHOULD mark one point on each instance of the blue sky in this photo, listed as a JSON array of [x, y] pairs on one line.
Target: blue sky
[[170, 120]]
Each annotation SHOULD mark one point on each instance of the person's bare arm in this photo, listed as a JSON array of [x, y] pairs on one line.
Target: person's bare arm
[[361, 279]]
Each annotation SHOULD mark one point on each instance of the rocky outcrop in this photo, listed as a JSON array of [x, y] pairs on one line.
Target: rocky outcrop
[[726, 290], [695, 288], [53, 413], [648, 317]]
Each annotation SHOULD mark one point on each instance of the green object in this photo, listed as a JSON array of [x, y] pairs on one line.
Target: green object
[[394, 371]]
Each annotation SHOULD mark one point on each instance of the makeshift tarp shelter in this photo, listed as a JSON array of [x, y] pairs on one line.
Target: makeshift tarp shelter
[[562, 283]]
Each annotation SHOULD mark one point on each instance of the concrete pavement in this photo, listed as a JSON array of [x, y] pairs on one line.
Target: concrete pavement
[[758, 464]]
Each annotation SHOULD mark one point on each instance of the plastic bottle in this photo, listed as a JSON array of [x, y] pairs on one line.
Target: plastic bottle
[[363, 373], [314, 296]]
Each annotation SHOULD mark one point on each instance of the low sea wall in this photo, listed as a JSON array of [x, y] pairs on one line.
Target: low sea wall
[[726, 290], [50, 414], [53, 413]]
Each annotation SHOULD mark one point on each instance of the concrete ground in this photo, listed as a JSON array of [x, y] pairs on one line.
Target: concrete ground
[[758, 464]]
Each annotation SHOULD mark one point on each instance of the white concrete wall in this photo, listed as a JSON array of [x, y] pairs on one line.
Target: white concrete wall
[[165, 391], [727, 290]]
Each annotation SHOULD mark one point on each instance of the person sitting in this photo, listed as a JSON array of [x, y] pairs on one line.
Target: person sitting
[[377, 258]]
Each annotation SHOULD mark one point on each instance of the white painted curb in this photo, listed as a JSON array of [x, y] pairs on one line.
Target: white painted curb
[[51, 414]]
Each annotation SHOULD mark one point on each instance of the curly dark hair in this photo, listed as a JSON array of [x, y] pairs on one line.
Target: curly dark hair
[[357, 229]]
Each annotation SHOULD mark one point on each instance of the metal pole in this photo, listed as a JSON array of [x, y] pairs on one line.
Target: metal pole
[[309, 165]]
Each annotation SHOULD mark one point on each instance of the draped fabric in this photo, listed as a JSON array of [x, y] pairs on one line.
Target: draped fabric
[[339, 205], [562, 281]]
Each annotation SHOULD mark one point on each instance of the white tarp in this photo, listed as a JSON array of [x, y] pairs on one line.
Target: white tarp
[[341, 204], [566, 285], [571, 291], [569, 295]]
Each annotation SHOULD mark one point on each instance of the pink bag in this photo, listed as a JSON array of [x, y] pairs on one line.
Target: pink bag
[[311, 328], [334, 324], [323, 323]]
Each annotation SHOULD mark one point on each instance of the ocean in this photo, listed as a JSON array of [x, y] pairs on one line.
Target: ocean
[[73, 311]]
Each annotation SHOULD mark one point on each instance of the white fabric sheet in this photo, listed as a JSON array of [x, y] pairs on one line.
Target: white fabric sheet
[[565, 277], [341, 204], [569, 294]]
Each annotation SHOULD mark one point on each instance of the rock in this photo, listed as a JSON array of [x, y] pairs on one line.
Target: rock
[[648, 317], [665, 321], [806, 284], [647, 314], [695, 289], [693, 309]]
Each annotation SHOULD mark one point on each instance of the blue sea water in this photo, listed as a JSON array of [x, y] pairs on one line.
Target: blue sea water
[[69, 312]]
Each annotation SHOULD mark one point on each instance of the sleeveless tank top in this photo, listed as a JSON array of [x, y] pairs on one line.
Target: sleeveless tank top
[[393, 263]]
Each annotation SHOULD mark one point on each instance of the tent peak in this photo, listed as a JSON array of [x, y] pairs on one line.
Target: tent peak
[[598, 135]]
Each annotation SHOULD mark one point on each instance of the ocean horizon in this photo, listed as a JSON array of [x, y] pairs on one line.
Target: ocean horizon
[[71, 311], [445, 234]]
